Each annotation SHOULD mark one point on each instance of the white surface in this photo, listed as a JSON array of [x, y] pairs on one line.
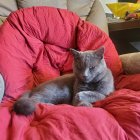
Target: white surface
[[104, 4], [1, 87]]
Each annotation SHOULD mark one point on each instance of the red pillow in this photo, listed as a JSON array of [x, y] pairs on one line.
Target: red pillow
[[34, 42]]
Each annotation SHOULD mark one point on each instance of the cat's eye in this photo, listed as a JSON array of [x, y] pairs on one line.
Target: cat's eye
[[91, 68]]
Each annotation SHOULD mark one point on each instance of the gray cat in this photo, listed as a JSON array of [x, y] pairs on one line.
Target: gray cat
[[90, 82], [93, 80]]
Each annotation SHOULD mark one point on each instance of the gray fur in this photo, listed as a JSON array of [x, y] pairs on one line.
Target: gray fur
[[55, 91], [91, 81], [94, 81]]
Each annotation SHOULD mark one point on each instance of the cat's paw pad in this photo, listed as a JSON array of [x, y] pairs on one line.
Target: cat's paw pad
[[82, 103]]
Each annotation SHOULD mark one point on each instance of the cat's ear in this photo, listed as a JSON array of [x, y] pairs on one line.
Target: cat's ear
[[100, 52], [75, 53]]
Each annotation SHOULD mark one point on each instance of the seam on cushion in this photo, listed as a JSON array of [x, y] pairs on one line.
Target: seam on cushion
[[91, 9]]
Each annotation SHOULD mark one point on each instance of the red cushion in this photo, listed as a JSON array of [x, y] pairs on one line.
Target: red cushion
[[33, 49], [34, 44]]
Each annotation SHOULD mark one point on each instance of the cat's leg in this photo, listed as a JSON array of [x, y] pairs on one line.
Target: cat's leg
[[53, 96], [86, 98], [55, 91]]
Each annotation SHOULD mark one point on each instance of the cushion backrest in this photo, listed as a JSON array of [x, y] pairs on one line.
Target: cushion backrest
[[81, 7], [90, 10], [7, 6], [53, 3]]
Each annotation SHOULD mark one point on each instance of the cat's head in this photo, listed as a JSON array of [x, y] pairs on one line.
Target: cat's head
[[89, 64]]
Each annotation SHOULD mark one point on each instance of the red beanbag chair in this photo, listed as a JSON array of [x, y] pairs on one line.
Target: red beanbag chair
[[34, 46]]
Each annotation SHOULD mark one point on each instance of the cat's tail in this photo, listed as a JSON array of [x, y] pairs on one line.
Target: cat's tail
[[25, 105]]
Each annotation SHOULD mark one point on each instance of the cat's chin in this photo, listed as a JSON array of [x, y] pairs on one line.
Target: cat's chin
[[86, 81]]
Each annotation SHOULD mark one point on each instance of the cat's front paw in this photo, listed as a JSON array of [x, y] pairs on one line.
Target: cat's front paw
[[83, 103], [81, 99], [77, 98], [80, 96]]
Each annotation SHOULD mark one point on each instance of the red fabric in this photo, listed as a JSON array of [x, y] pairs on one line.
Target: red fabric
[[34, 46]]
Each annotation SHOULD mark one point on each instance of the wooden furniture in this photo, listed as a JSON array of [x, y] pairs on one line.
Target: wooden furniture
[[123, 32], [133, 1]]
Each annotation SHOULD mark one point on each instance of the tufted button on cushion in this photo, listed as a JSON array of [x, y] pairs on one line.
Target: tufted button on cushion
[[34, 123]]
